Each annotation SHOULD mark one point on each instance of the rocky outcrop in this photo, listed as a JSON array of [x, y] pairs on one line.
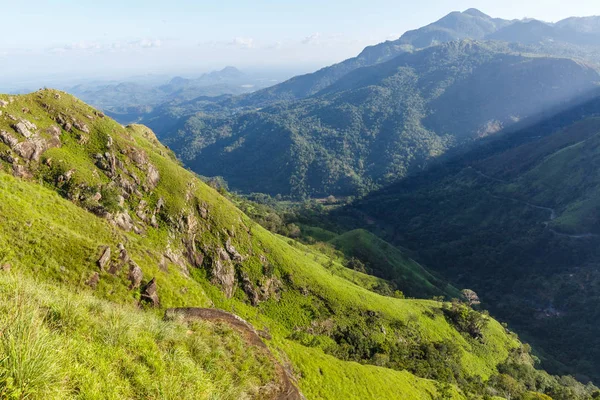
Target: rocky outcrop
[[135, 275], [249, 289], [8, 139], [223, 273], [150, 293], [117, 266], [232, 251], [123, 220], [104, 259], [24, 128], [285, 388]]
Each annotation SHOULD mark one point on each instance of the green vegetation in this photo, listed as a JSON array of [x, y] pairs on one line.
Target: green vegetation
[[109, 187], [515, 219], [376, 124], [61, 344]]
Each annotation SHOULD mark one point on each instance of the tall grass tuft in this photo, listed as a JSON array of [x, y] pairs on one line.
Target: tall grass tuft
[[29, 354]]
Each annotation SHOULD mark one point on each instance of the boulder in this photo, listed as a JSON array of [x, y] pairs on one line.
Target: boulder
[[249, 289], [150, 293], [54, 130], [135, 275], [153, 176], [104, 259], [123, 220], [3, 103], [31, 150], [81, 126]]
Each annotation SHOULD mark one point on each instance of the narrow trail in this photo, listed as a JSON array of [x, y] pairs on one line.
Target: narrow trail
[[552, 211], [287, 390]]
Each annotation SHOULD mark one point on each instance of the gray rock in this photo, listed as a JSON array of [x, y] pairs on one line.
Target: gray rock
[[21, 128], [81, 126], [223, 274], [153, 176], [135, 275], [232, 251], [3, 103], [150, 293], [123, 220], [8, 139], [104, 259]]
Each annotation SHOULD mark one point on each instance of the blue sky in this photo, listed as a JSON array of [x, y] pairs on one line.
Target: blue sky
[[112, 37]]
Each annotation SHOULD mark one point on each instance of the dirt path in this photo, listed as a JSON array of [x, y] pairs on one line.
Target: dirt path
[[287, 390], [552, 211]]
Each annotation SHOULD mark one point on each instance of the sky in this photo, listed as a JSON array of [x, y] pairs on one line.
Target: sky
[[41, 41]]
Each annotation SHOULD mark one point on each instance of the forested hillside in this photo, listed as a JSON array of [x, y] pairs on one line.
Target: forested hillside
[[517, 220], [377, 124]]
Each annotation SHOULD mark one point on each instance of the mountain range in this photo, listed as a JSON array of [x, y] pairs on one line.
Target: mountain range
[[393, 110]]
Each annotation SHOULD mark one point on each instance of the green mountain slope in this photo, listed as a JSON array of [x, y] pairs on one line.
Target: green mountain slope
[[106, 213], [516, 220], [380, 123], [388, 262]]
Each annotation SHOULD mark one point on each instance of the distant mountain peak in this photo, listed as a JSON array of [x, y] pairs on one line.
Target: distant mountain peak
[[476, 13], [230, 69]]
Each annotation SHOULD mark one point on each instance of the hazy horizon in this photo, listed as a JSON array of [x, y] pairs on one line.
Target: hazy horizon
[[68, 40]]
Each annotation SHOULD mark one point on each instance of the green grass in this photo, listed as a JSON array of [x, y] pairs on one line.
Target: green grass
[[46, 236], [387, 261], [57, 344]]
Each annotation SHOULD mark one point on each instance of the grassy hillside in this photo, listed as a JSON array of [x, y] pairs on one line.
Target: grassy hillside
[[388, 262], [90, 185]]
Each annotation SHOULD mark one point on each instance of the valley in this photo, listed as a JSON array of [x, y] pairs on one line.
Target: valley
[[418, 222]]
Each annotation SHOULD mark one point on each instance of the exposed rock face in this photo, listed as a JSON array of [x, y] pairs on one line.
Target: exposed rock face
[[249, 289], [31, 150], [135, 275], [232, 251], [20, 171], [150, 293], [8, 139], [223, 273], [123, 220], [195, 257], [153, 176], [21, 128], [81, 126], [104, 259], [203, 211]]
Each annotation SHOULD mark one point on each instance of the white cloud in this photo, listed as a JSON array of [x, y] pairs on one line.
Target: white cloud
[[84, 46], [315, 38], [242, 42]]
